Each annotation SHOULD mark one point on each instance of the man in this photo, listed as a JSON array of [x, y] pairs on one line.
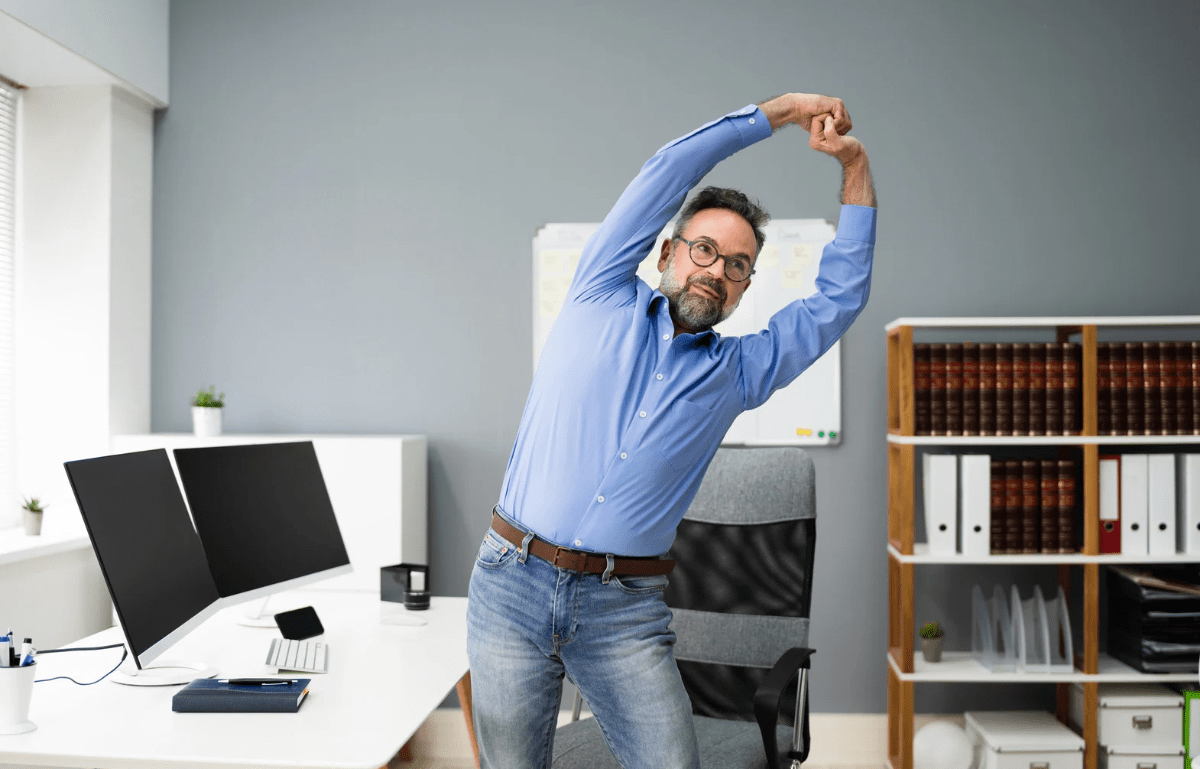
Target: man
[[632, 396]]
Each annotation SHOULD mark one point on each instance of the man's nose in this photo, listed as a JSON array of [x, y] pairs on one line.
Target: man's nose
[[717, 268]]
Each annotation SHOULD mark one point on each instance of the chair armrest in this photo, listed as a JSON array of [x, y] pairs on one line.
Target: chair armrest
[[767, 700]]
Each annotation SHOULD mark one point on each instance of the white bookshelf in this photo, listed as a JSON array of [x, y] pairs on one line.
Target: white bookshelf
[[959, 667], [950, 441], [920, 555]]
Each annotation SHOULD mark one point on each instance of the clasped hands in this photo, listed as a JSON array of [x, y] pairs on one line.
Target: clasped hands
[[827, 122]]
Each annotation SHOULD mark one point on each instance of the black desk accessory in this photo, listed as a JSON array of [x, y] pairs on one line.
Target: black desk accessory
[[406, 583]]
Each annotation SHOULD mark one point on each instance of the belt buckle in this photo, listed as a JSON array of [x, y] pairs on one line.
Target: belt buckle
[[580, 560]]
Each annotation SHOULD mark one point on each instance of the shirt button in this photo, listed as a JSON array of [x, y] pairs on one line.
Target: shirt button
[[660, 376], [666, 336], [642, 414], [578, 543], [751, 121], [600, 498], [624, 455]]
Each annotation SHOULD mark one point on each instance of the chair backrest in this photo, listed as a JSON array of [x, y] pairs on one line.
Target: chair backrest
[[742, 584]]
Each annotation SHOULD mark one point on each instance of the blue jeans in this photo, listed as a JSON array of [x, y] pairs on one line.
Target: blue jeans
[[529, 622]]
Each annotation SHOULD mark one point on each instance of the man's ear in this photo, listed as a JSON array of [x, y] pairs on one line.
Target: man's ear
[[664, 254]]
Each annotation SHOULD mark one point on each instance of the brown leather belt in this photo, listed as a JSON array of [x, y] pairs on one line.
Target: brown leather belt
[[577, 560]]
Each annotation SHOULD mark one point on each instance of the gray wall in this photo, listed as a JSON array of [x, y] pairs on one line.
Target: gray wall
[[345, 194]]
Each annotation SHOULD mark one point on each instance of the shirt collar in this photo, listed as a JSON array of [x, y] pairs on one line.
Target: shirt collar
[[658, 303]]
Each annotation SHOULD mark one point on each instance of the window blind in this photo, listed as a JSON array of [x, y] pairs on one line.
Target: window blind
[[8, 188]]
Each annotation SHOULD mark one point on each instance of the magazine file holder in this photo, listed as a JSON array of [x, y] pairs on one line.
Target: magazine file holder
[[983, 648], [1062, 650]]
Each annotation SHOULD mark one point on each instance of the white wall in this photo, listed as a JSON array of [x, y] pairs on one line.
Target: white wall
[[128, 38]]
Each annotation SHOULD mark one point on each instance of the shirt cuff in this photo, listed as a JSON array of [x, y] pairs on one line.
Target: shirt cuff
[[751, 124], [857, 223]]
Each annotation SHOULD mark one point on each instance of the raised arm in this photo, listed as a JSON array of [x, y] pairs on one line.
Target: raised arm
[[610, 258]]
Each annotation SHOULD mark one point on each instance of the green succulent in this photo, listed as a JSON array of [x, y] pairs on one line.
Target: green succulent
[[33, 505], [932, 630], [209, 399]]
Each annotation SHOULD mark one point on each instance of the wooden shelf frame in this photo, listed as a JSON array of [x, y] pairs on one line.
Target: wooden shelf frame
[[1085, 565]]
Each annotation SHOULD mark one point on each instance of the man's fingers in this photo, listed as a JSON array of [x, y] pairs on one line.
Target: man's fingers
[[817, 131], [843, 120], [831, 132]]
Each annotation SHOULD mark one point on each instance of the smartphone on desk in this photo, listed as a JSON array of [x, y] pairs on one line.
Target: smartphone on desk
[[298, 624]]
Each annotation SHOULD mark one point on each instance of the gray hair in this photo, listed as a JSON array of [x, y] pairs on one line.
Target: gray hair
[[731, 200]]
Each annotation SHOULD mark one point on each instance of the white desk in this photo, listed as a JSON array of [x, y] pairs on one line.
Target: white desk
[[383, 682]]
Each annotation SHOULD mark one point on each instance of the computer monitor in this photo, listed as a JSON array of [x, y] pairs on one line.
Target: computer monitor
[[151, 558], [264, 516]]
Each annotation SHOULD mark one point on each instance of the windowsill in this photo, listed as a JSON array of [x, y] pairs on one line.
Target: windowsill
[[16, 546]]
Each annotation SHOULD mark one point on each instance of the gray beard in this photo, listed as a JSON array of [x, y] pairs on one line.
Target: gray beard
[[698, 313]]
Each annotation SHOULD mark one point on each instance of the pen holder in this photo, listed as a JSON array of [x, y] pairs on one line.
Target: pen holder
[[406, 583], [16, 689]]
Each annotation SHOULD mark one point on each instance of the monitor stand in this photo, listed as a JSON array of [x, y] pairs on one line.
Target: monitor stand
[[162, 673], [257, 615]]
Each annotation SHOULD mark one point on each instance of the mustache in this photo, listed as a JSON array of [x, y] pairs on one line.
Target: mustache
[[709, 282]]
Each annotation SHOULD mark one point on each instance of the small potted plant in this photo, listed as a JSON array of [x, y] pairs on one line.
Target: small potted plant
[[32, 516], [206, 412], [931, 641]]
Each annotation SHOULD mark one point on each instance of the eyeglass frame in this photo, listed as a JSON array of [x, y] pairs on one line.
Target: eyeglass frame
[[723, 257]]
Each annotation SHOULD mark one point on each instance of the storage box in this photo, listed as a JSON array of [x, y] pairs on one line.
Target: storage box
[[1137, 758], [1023, 740], [1135, 716]]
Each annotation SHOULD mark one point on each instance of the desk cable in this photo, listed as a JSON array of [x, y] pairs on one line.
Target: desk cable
[[124, 654]]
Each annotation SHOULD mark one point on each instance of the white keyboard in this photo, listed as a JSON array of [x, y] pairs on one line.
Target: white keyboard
[[296, 656]]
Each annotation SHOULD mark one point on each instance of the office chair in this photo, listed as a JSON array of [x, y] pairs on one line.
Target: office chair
[[740, 594]]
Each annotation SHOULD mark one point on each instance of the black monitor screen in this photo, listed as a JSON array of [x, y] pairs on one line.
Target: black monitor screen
[[152, 560], [262, 512]]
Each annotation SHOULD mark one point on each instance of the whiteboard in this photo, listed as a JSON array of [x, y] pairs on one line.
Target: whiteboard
[[806, 412]]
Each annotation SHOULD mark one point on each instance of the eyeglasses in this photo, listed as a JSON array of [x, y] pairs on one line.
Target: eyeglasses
[[703, 253]]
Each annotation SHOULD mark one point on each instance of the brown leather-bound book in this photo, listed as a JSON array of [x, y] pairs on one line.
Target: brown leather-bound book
[[1049, 506], [1072, 412], [1030, 509], [1134, 391], [1013, 504], [1020, 389], [954, 383], [970, 389], [937, 389], [1166, 388], [921, 416], [1116, 373], [987, 388], [1103, 388], [998, 510], [1054, 371], [1066, 506], [1004, 360], [1195, 388], [1037, 389], [1151, 391], [1183, 388]]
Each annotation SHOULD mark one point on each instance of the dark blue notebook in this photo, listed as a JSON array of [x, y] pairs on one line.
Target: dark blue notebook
[[209, 695]]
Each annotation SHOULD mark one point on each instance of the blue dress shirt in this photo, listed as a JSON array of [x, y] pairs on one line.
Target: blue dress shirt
[[623, 418]]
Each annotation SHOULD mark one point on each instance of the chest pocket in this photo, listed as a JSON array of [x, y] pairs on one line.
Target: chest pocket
[[688, 434]]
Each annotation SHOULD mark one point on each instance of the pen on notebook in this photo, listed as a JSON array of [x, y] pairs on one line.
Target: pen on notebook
[[258, 681]]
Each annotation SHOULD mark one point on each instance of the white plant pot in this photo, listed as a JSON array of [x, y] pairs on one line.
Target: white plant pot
[[206, 421], [33, 522]]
